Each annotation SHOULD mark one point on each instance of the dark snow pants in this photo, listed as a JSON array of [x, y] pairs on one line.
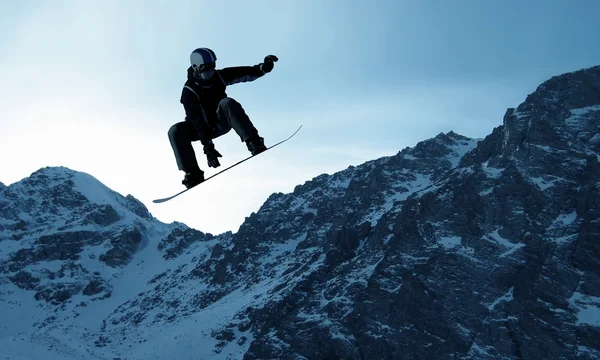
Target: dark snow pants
[[230, 115]]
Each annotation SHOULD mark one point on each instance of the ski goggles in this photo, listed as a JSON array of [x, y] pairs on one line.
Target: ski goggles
[[204, 67]]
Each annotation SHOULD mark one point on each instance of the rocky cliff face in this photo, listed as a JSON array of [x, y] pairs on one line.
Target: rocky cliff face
[[456, 248]]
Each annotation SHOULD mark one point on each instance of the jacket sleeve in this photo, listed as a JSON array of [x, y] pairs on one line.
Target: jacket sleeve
[[194, 115], [234, 75]]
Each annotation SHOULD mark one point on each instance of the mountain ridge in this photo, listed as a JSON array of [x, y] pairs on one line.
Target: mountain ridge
[[454, 248]]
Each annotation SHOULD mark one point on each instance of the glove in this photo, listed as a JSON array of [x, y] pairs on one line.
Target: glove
[[267, 66], [212, 155]]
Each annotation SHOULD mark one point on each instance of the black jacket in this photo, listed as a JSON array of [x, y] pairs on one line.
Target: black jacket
[[200, 101]]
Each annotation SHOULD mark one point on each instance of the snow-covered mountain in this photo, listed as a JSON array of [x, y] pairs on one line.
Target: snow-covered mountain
[[456, 248]]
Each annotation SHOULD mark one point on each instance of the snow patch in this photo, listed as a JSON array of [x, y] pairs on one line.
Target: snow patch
[[450, 242], [563, 220], [492, 173], [388, 238], [543, 147], [7, 247], [287, 247], [578, 118], [95, 191], [486, 191], [551, 307], [467, 252], [512, 250], [588, 352], [545, 182], [419, 182], [507, 297], [460, 149], [587, 307], [496, 238], [340, 183]]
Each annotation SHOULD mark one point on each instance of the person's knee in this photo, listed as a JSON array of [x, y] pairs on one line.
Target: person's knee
[[175, 131], [172, 131], [228, 103]]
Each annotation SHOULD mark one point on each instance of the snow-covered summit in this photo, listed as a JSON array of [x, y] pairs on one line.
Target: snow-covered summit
[[59, 190]]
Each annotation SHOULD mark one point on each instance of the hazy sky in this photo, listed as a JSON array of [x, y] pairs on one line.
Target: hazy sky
[[95, 85]]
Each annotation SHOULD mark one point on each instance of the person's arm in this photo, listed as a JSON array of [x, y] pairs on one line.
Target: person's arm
[[234, 75], [238, 74]]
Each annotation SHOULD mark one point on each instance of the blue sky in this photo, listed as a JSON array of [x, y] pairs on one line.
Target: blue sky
[[95, 86]]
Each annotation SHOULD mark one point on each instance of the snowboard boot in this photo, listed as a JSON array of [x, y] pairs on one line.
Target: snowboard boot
[[193, 178], [256, 145]]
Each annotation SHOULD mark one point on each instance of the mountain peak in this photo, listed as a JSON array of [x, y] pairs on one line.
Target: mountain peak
[[64, 196], [579, 88], [561, 113], [562, 93], [81, 183]]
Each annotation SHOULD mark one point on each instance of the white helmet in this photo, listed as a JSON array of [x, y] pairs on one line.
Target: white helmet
[[202, 56]]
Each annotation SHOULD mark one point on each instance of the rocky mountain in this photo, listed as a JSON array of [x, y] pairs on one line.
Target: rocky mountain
[[456, 248]]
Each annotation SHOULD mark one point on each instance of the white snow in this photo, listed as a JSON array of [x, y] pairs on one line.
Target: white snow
[[563, 220], [278, 250], [564, 239], [551, 307], [467, 252], [546, 181], [7, 247], [19, 342], [496, 238], [450, 242], [486, 191], [388, 238], [587, 307], [578, 117], [189, 337], [544, 148], [12, 302], [589, 352], [340, 183], [53, 266], [94, 190], [492, 173], [100, 194], [418, 182], [299, 202], [512, 250], [507, 297], [460, 149], [562, 223]]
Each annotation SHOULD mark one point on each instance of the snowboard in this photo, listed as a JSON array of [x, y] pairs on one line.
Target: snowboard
[[222, 171]]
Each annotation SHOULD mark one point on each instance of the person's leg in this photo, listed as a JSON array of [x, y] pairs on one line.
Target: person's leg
[[231, 112], [181, 136]]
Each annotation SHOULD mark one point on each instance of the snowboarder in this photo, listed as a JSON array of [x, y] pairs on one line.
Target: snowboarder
[[210, 113]]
